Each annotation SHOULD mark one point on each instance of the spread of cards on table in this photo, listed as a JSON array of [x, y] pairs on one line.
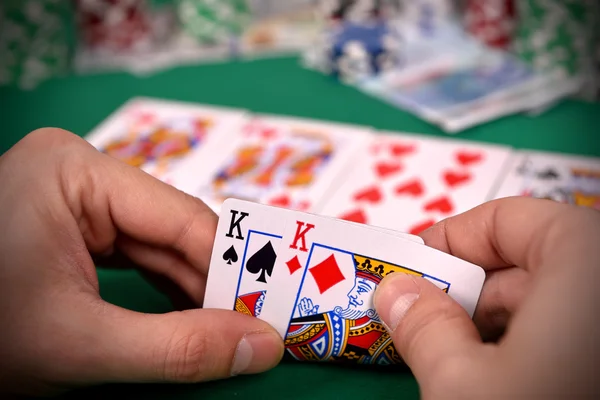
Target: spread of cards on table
[[313, 214]]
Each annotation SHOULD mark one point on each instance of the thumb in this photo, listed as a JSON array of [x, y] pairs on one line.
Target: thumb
[[429, 329], [187, 346]]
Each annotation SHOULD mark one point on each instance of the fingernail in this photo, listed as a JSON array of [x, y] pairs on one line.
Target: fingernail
[[257, 352], [393, 298]]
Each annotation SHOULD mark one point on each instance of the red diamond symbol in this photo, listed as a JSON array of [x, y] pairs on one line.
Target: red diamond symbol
[[327, 274], [293, 265]]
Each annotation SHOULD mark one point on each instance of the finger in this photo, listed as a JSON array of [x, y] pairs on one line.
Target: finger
[[186, 346], [512, 231], [430, 330], [108, 197], [504, 290]]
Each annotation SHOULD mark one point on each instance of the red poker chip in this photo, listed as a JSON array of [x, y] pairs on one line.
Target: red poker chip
[[491, 21], [112, 24]]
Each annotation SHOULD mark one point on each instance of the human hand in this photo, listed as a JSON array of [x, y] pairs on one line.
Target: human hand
[[543, 267], [64, 202]]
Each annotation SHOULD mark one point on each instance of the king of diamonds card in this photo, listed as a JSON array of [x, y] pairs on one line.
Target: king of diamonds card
[[320, 297]]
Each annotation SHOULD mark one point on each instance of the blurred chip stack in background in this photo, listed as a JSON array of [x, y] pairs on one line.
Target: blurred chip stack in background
[[461, 63], [491, 21], [454, 63], [36, 41], [116, 26], [213, 22], [168, 33], [560, 37]]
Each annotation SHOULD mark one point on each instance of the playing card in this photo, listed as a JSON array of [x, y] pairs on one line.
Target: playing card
[[288, 162], [561, 177], [320, 296], [485, 85], [410, 182], [244, 254], [158, 135]]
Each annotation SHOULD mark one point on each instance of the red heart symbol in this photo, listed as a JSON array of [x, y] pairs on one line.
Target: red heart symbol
[[355, 216], [371, 194], [282, 201], [399, 149], [456, 178], [415, 230], [386, 168], [441, 204], [414, 188], [466, 158]]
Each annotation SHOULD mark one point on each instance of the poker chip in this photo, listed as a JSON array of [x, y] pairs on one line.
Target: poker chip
[[35, 41], [213, 21], [114, 26], [491, 21], [558, 37]]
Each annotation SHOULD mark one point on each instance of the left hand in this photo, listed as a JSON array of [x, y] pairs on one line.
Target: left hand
[[63, 202]]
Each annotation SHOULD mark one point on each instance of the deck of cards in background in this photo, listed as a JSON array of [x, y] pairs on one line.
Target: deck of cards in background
[[313, 214]]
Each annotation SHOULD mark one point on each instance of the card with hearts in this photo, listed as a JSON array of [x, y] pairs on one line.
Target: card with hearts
[[408, 182]]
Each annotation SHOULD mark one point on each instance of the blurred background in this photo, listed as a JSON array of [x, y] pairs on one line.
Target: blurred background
[[452, 63]]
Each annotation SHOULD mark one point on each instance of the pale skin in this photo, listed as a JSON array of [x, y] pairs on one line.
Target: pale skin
[[64, 206]]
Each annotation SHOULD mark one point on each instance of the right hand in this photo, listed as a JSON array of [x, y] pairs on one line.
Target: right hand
[[543, 286]]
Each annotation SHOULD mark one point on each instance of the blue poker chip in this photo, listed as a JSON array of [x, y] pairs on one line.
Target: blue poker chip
[[371, 38], [369, 35]]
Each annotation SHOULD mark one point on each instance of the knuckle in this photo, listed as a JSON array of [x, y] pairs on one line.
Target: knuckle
[[50, 138], [185, 357], [53, 146]]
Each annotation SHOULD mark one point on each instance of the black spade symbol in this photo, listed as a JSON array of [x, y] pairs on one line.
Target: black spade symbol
[[262, 262], [230, 255]]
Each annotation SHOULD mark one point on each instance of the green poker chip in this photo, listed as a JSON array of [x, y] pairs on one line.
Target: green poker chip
[[36, 41], [557, 35], [213, 21]]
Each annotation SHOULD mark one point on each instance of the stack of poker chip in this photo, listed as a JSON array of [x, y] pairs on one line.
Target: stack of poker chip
[[491, 21], [114, 26], [559, 37], [36, 41], [213, 21]]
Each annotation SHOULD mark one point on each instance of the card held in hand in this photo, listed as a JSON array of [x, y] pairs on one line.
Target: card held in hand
[[244, 255], [321, 292]]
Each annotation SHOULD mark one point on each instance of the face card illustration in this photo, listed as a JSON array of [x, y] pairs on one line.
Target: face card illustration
[[284, 162], [244, 255], [409, 182], [563, 178], [322, 289], [157, 135]]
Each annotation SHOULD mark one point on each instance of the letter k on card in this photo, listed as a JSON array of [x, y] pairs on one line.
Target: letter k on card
[[301, 231]]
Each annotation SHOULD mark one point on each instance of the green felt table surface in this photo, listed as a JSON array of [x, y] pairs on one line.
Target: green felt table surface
[[276, 86]]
